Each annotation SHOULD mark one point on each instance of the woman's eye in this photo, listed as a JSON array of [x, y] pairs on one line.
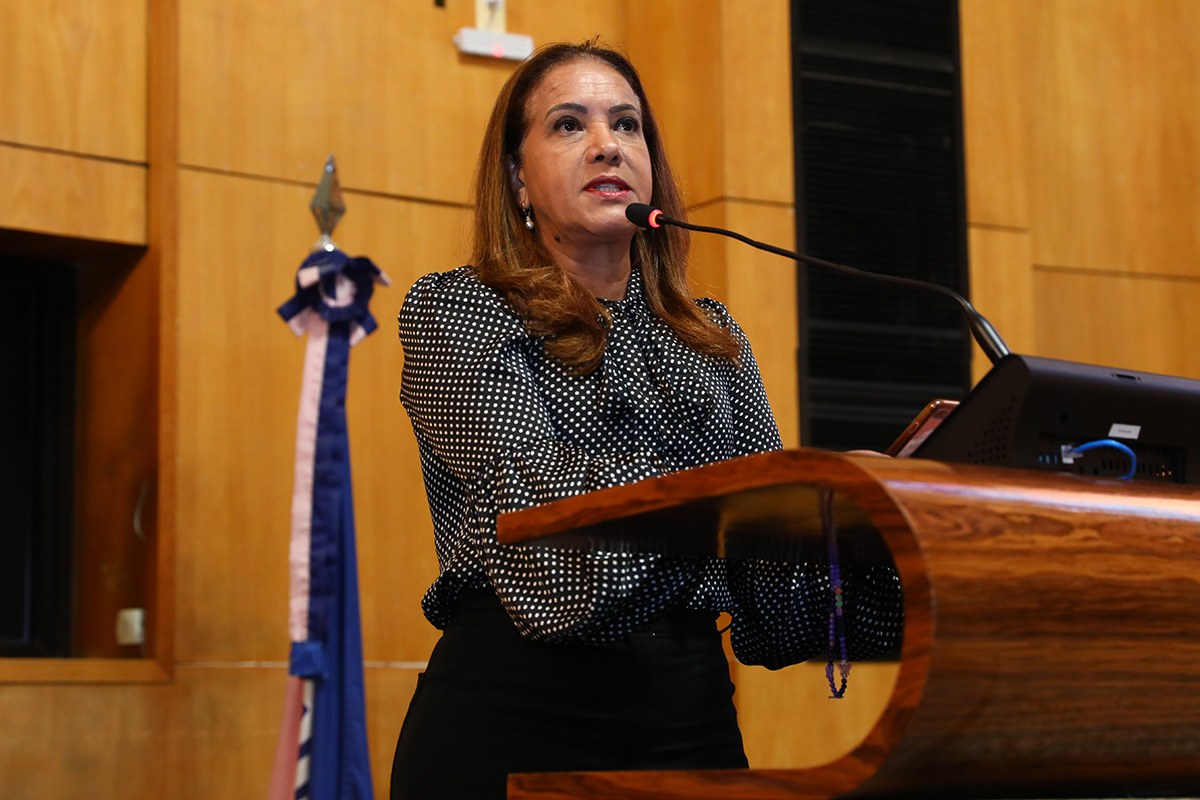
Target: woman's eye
[[628, 125], [568, 124]]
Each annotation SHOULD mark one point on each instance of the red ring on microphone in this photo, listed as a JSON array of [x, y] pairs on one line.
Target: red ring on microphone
[[653, 219]]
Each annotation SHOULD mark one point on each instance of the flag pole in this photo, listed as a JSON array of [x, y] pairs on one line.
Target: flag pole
[[322, 748]]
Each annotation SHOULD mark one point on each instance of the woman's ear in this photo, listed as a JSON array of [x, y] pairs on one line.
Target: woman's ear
[[516, 179]]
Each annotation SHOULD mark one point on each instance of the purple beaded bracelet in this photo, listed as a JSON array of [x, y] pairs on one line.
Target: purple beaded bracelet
[[837, 623]]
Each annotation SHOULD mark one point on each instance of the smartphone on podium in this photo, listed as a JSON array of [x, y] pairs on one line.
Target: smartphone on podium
[[919, 429]]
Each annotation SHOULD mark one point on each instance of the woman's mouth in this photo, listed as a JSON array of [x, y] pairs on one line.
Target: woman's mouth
[[607, 186]]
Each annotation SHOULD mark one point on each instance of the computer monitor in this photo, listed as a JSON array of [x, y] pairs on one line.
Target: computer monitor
[[1026, 409]]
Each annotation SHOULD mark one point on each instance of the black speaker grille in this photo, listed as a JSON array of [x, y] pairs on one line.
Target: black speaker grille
[[902, 27], [880, 187]]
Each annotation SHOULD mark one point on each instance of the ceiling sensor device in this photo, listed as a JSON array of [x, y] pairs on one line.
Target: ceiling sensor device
[[476, 42]]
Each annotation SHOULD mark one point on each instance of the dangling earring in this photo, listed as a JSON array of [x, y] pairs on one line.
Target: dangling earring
[[529, 218]]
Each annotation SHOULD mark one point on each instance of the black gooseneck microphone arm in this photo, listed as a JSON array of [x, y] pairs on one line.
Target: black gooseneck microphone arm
[[645, 216]]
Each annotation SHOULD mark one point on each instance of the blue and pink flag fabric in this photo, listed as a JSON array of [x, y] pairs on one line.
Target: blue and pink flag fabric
[[322, 751]]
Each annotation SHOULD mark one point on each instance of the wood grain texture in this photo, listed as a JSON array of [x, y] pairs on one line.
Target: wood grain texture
[[210, 707], [1050, 636], [115, 462], [389, 691], [209, 733], [1112, 90], [271, 90], [756, 76], [762, 297], [722, 91], [214, 706], [698, 784], [73, 76], [102, 742], [994, 54], [1135, 322], [162, 260], [75, 196], [81, 670], [789, 721], [685, 88], [238, 378], [1066, 632]]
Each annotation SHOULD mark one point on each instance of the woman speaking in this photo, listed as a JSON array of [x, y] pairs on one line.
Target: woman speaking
[[568, 357]]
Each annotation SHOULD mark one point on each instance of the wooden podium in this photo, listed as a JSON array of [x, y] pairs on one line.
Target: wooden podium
[[1052, 622]]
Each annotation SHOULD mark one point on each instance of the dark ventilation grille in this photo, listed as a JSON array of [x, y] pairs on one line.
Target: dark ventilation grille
[[1153, 463], [879, 187], [992, 445], [1160, 463]]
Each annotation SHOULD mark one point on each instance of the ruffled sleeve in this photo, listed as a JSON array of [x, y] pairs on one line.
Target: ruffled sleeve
[[470, 386]]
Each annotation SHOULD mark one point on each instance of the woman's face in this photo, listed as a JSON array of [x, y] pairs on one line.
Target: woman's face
[[584, 157]]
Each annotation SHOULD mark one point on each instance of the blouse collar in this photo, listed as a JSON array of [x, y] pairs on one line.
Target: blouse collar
[[635, 296]]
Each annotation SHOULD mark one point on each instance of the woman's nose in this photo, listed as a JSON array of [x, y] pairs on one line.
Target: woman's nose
[[604, 147]]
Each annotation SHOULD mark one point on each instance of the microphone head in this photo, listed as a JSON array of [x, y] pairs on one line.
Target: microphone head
[[643, 215]]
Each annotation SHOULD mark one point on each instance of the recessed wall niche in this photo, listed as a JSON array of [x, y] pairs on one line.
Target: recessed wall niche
[[78, 463]]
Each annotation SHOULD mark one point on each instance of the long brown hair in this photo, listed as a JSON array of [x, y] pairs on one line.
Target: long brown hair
[[515, 263]]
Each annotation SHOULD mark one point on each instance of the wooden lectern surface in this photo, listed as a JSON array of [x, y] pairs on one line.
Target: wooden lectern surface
[[1052, 622]]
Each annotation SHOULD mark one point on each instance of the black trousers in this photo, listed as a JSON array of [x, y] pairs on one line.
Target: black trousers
[[492, 703]]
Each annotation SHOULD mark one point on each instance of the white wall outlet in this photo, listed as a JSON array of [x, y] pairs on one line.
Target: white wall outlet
[[131, 626]]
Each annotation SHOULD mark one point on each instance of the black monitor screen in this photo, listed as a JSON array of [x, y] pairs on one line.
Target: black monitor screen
[[1027, 409]]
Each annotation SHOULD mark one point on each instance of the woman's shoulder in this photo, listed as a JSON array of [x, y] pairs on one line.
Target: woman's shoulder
[[719, 314], [456, 285], [458, 303], [714, 308]]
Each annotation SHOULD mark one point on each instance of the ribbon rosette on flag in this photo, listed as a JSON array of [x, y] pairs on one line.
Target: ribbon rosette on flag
[[322, 751]]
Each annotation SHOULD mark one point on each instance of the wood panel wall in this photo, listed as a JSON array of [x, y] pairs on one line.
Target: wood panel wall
[[1081, 125], [73, 119]]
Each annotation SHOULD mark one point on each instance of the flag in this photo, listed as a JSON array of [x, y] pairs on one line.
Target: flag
[[322, 751]]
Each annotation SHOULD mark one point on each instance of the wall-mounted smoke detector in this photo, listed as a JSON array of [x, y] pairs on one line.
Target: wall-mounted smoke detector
[[490, 38]]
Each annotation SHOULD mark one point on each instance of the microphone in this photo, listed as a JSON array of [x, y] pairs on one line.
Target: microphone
[[647, 216], [643, 215]]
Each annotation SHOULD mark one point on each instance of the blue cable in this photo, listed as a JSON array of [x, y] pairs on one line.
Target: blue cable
[[1124, 448]]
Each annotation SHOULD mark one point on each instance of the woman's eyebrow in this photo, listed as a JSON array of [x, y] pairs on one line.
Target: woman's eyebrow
[[580, 108], [577, 107]]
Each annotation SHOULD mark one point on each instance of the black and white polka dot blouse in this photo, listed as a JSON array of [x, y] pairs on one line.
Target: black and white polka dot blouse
[[502, 426]]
